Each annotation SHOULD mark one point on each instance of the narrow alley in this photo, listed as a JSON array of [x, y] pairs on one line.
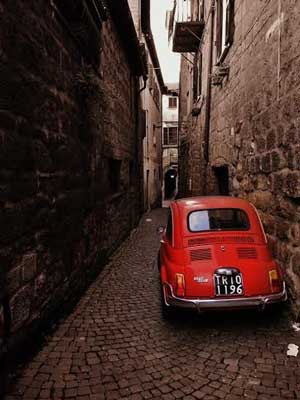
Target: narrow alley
[[112, 111], [115, 344]]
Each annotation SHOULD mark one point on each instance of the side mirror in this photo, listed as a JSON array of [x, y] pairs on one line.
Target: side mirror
[[160, 229]]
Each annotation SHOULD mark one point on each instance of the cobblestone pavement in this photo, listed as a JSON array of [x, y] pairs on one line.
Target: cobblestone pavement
[[115, 344]]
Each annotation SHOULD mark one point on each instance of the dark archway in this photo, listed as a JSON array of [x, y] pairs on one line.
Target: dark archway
[[170, 183], [222, 176]]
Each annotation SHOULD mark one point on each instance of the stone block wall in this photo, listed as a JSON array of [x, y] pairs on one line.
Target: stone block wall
[[255, 122], [70, 161]]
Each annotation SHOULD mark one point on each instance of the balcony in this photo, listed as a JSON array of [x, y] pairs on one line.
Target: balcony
[[186, 25]]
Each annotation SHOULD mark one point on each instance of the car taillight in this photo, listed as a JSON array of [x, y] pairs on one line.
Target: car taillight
[[275, 281], [180, 285]]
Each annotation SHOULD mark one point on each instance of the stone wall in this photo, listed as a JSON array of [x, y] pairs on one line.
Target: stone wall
[[151, 101], [152, 104], [191, 142], [255, 122], [70, 161]]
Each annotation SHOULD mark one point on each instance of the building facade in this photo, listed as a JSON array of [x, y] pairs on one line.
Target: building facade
[[152, 106], [239, 114], [71, 150], [170, 141]]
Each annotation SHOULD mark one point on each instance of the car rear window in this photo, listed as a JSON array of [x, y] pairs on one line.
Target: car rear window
[[218, 219]]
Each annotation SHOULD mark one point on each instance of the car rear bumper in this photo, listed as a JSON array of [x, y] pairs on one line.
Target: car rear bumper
[[223, 303]]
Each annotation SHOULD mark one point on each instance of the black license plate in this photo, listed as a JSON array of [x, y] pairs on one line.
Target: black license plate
[[229, 285]]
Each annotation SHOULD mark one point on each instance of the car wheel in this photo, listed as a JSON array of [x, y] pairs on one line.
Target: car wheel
[[158, 261], [279, 309]]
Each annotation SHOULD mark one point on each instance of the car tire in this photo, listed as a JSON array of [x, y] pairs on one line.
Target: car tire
[[158, 261], [278, 309]]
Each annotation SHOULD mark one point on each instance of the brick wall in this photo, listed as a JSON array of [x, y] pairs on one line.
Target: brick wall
[[255, 122], [65, 130]]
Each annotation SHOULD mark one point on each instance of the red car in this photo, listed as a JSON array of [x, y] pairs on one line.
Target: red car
[[214, 255]]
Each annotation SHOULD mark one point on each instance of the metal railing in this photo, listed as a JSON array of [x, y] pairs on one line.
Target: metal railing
[[184, 11]]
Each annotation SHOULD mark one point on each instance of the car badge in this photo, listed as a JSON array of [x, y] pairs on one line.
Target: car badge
[[223, 248], [200, 279]]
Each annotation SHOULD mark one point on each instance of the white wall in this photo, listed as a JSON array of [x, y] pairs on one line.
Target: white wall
[[152, 147], [169, 114]]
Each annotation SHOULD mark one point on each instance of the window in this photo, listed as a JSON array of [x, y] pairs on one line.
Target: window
[[170, 136], [169, 230], [222, 175], [225, 27], [154, 135], [198, 10], [197, 76], [83, 20], [201, 10], [151, 79], [223, 219], [172, 102], [156, 95]]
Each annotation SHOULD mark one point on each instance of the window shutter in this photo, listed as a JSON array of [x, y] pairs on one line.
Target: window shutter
[[166, 136], [154, 136], [201, 10], [219, 27], [172, 136], [195, 78], [229, 22], [200, 75], [143, 123], [151, 77], [172, 102]]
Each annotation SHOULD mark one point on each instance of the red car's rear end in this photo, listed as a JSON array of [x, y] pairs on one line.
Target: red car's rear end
[[214, 255]]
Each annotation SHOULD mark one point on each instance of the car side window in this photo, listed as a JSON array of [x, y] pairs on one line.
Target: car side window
[[169, 230]]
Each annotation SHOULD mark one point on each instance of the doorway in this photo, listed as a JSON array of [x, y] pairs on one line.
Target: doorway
[[170, 183], [222, 176]]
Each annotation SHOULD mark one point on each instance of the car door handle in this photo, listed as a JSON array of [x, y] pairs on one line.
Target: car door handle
[[162, 241]]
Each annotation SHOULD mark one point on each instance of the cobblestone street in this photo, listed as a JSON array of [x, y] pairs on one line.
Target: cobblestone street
[[115, 344]]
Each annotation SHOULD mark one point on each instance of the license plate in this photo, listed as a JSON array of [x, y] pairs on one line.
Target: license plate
[[229, 285]]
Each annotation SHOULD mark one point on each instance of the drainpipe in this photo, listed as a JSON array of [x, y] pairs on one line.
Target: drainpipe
[[208, 92]]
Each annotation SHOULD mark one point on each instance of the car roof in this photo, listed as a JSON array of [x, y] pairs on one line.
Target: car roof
[[206, 202]]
